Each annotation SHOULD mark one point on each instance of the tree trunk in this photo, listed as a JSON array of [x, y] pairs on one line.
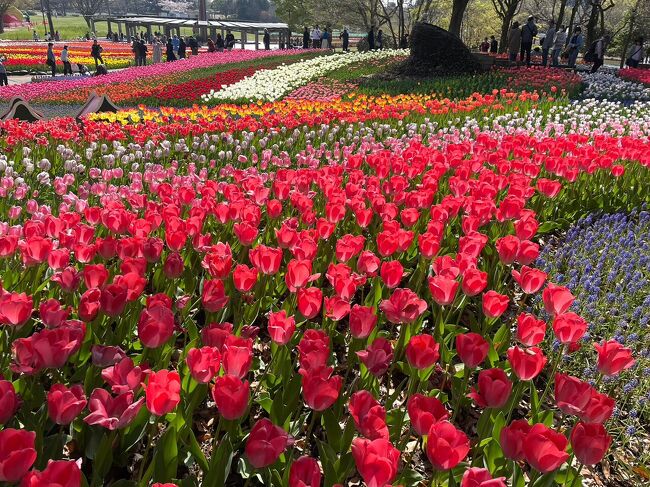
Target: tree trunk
[[88, 19], [48, 11], [2, 24], [591, 23], [560, 15], [457, 12], [505, 29], [630, 33], [574, 10]]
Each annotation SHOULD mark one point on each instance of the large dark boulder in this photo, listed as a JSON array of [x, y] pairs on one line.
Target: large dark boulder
[[435, 51]]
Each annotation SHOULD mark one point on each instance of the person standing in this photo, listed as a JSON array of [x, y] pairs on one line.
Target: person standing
[[51, 60], [142, 51], [494, 45], [325, 39], [380, 39], [575, 44], [267, 40], [345, 35], [157, 51], [549, 42], [65, 59], [528, 33], [371, 38], [229, 42], [315, 37], [599, 54], [96, 53], [170, 51], [558, 45], [3, 72], [194, 45], [485, 46], [636, 54], [404, 42], [175, 44], [514, 41], [305, 38], [182, 48], [220, 44], [35, 36]]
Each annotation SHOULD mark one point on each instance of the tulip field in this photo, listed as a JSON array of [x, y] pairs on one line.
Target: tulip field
[[298, 278]]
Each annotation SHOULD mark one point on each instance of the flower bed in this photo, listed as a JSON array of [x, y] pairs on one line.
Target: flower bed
[[271, 85], [608, 86], [27, 56], [306, 293], [638, 75], [548, 80]]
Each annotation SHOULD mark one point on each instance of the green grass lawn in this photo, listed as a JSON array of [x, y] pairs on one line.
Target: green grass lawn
[[70, 27]]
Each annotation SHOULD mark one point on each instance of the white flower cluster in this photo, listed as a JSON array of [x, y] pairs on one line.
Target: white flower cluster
[[607, 86], [272, 84]]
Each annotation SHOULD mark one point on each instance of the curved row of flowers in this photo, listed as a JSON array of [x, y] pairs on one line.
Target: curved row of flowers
[[272, 84], [608, 86]]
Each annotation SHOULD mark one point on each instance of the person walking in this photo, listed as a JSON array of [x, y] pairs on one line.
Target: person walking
[[157, 51], [315, 37], [193, 45], [599, 52], [371, 38], [176, 44], [635, 56], [514, 41], [494, 45], [267, 40], [528, 33], [345, 36], [305, 38], [182, 48], [96, 53], [65, 59], [558, 45], [51, 60], [575, 44], [3, 72], [549, 42], [170, 51]]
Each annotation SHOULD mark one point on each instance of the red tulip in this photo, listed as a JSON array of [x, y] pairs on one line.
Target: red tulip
[[512, 439], [508, 249], [368, 263], [481, 477], [204, 363], [17, 453], [237, 356], [391, 273], [376, 460], [89, 304], [215, 335], [569, 327], [281, 327], [305, 472], [348, 246], [310, 300], [472, 349], [113, 299], [447, 446], [48, 348], [319, 388], [63, 404], [336, 308], [369, 416], [494, 304], [557, 299], [528, 252], [231, 396], [314, 349], [599, 408], [590, 442], [155, 326], [424, 411], [474, 282], [530, 280], [244, 278], [266, 260], [548, 187], [526, 363], [404, 306], [15, 309], [544, 448], [9, 401], [124, 376], [530, 330], [105, 355], [571, 394], [443, 290], [613, 357], [59, 473], [162, 392], [218, 261], [377, 357], [429, 245], [362, 321], [422, 351], [52, 314], [494, 389], [298, 274], [214, 295], [173, 266], [265, 443], [95, 276]]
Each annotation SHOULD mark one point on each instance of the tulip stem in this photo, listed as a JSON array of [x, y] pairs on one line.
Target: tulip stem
[[551, 379], [149, 439], [310, 428], [459, 400], [577, 475]]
